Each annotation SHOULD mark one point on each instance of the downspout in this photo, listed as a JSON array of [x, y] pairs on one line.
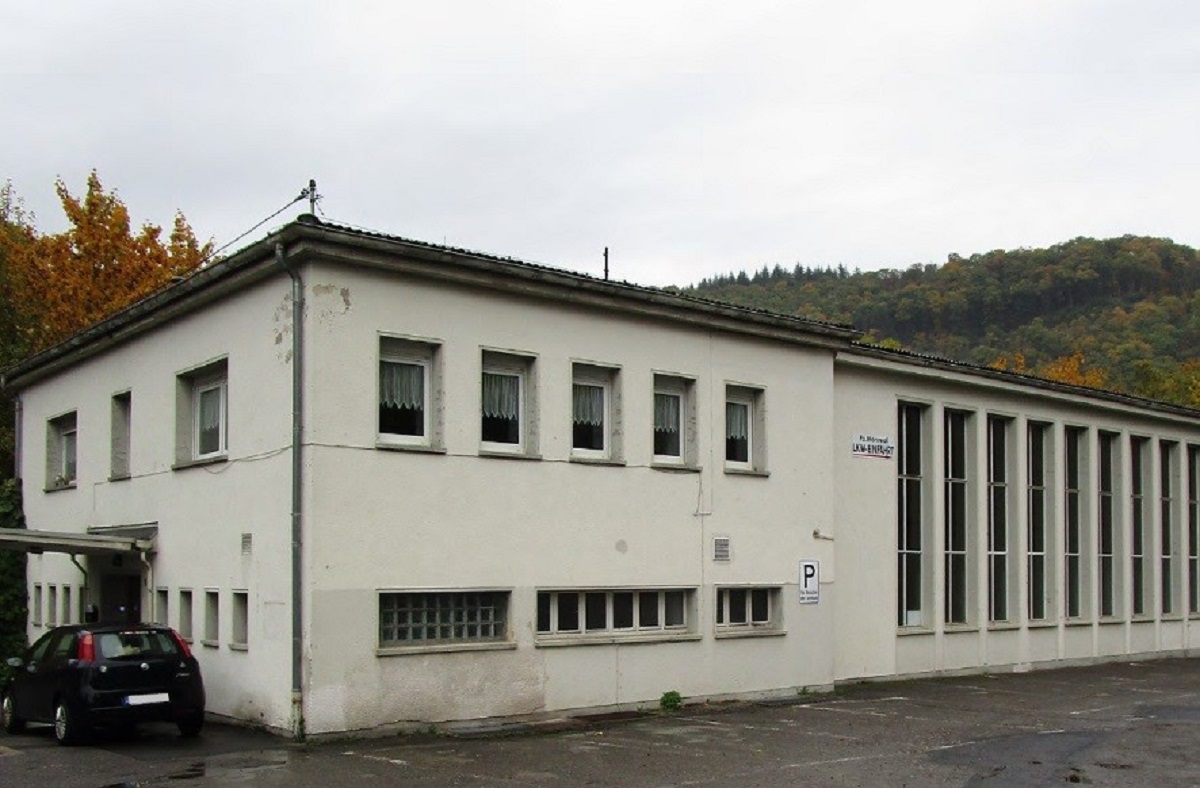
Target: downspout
[[297, 499]]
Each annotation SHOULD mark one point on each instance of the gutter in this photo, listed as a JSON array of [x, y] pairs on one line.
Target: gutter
[[297, 490]]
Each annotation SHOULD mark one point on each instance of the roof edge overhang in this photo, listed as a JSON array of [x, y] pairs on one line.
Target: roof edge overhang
[[309, 240], [961, 373]]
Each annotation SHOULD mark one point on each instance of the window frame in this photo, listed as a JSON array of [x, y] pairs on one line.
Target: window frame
[[958, 605], [1001, 542], [1193, 526], [548, 629], [1108, 530], [912, 523], [239, 636], [1168, 542], [521, 366], [503, 640], [187, 615], [1039, 521], [752, 398], [190, 385], [1077, 586], [422, 352], [120, 436], [62, 451], [724, 626], [212, 618], [682, 388], [201, 387], [606, 378]]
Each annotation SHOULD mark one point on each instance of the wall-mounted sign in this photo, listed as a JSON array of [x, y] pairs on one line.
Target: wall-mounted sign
[[810, 582], [879, 447]]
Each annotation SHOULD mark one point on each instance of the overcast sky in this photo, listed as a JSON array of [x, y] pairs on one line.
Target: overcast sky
[[692, 138]]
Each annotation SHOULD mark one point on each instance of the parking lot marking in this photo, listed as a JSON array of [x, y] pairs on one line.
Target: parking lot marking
[[380, 758], [828, 707]]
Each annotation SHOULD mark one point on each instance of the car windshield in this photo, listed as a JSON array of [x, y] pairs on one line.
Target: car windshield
[[135, 644]]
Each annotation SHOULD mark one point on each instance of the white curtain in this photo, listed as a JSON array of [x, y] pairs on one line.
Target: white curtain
[[401, 385], [588, 404], [737, 420], [210, 410], [666, 413], [501, 395]]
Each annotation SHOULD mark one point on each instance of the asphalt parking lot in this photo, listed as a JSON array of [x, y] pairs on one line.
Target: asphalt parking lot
[[1119, 724]]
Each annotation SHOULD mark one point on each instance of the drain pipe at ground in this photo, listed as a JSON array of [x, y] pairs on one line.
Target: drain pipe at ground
[[297, 498]]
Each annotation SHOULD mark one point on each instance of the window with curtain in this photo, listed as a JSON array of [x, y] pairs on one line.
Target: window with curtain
[[402, 398], [210, 419], [501, 408], [588, 416], [668, 408], [737, 431], [61, 443]]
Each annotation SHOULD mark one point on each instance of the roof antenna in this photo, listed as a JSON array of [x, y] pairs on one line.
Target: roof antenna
[[311, 193], [606, 264]]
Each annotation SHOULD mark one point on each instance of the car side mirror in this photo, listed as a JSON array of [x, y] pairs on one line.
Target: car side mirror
[[14, 662]]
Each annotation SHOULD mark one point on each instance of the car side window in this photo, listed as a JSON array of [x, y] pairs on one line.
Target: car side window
[[38, 650], [63, 648]]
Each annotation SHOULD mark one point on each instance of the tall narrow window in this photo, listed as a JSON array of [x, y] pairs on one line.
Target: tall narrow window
[[407, 388], [1073, 502], [501, 408], [1193, 495], [745, 437], [1138, 513], [1036, 532], [594, 412], [202, 413], [910, 514], [1107, 544], [185, 614], [674, 420], [210, 419], [121, 422], [51, 605], [161, 607], [998, 518], [241, 619], [1166, 491], [61, 451], [588, 416], [212, 617], [956, 587]]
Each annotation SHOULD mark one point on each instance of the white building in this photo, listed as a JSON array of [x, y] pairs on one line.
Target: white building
[[380, 483]]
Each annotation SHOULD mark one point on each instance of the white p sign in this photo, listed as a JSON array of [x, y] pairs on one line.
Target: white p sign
[[810, 582]]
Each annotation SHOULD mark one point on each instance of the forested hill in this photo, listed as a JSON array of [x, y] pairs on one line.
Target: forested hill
[[1121, 313]]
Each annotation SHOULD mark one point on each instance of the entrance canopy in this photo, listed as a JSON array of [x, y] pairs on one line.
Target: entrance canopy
[[118, 540]]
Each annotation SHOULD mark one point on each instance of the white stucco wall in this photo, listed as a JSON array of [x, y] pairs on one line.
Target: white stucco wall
[[201, 512], [397, 520]]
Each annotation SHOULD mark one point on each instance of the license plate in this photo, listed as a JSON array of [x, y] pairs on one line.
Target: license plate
[[142, 700]]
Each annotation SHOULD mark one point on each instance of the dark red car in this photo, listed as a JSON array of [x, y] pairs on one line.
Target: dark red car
[[85, 675]]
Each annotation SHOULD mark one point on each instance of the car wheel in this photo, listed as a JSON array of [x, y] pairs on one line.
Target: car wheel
[[190, 726], [11, 722], [67, 729]]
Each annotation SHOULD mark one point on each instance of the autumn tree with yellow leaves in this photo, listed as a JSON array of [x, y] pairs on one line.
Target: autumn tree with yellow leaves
[[67, 281], [54, 285]]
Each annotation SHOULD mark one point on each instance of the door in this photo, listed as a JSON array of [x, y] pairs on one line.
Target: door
[[121, 599], [30, 684]]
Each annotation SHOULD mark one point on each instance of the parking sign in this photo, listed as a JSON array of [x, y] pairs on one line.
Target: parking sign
[[810, 582]]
